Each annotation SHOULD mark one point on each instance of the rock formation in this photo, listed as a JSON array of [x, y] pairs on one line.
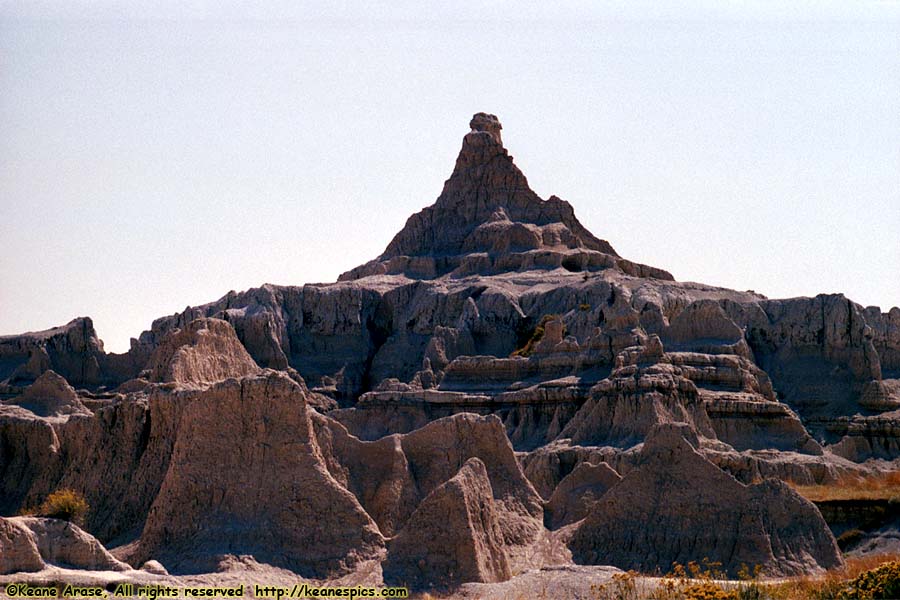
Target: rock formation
[[29, 543], [494, 327], [487, 220], [575, 495], [203, 352], [264, 496], [407, 468], [18, 550], [453, 537], [50, 396], [73, 350], [660, 514]]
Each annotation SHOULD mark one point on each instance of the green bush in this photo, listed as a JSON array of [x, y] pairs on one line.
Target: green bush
[[65, 504]]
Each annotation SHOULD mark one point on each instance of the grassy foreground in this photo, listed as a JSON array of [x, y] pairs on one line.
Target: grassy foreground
[[865, 578]]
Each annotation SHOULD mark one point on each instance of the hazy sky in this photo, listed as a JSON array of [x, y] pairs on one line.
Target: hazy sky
[[158, 155]]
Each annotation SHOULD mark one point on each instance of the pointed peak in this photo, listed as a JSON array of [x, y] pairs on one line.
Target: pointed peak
[[487, 220], [483, 156], [484, 122]]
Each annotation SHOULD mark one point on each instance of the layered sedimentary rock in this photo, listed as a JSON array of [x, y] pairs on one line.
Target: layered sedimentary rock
[[864, 438], [491, 301], [723, 396], [487, 220], [660, 514], [453, 536]]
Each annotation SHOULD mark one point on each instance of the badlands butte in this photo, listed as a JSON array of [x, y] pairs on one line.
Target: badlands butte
[[498, 398]]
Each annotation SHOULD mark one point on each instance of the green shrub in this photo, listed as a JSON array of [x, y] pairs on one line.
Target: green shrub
[[65, 504]]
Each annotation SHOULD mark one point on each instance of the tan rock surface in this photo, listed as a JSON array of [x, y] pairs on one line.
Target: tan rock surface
[[203, 352], [51, 396], [26, 543], [270, 495], [18, 550], [453, 536], [436, 451], [391, 476]]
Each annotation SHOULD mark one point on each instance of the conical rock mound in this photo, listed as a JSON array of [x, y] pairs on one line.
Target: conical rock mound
[[52, 396], [661, 513], [453, 537], [30, 543], [246, 476], [487, 220], [201, 353]]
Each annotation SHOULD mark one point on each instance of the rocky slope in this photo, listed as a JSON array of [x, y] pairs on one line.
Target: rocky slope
[[498, 364], [660, 514], [453, 537]]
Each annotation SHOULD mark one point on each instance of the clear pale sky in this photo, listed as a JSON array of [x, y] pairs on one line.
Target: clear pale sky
[[155, 155]]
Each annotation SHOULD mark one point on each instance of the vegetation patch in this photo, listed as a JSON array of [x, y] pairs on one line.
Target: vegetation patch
[[881, 582], [536, 336], [864, 578], [64, 504], [880, 486]]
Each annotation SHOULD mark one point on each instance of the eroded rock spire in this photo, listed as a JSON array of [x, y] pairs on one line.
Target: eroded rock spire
[[487, 123], [487, 220]]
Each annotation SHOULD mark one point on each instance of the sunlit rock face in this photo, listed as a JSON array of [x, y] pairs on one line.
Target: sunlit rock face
[[497, 365]]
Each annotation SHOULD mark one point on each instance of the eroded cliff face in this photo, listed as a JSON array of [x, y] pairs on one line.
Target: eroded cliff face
[[73, 350], [192, 472], [493, 323]]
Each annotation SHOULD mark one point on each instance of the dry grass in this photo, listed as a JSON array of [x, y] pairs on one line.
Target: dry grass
[[859, 564], [880, 486], [705, 583], [831, 584], [64, 504]]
